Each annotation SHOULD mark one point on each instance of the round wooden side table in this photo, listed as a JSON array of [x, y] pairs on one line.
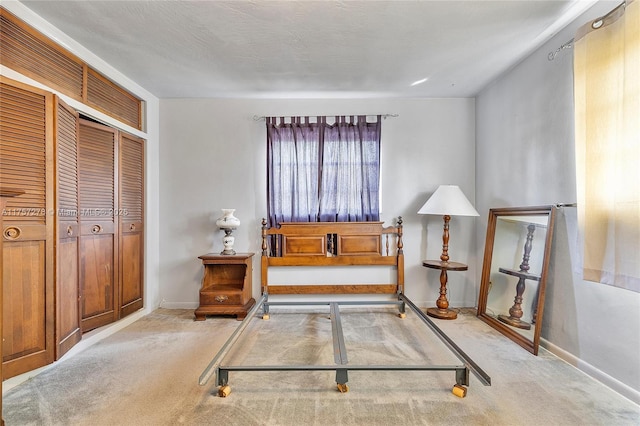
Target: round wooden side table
[[515, 312], [442, 310]]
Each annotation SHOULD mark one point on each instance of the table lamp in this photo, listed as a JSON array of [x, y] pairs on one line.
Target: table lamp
[[447, 201], [228, 223]]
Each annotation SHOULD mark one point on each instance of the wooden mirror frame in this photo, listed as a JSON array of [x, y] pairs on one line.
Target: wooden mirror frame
[[518, 275]]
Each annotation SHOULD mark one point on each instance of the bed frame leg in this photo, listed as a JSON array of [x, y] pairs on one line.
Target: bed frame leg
[[223, 383], [462, 376], [342, 377], [223, 377], [462, 381], [265, 308], [402, 310]]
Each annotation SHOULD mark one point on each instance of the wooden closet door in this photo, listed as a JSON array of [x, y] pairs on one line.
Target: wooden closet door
[[97, 149], [131, 218], [26, 162], [68, 331], [3, 193]]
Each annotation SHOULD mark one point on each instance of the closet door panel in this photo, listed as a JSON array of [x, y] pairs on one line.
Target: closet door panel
[[132, 260], [26, 163], [98, 231], [68, 314], [97, 275], [68, 330], [24, 294], [131, 217]]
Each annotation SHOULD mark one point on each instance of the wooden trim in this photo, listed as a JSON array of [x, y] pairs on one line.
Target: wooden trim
[[50, 246], [343, 228], [332, 261], [333, 289]]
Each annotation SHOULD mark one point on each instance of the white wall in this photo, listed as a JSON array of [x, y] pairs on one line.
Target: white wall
[[525, 156], [213, 156]]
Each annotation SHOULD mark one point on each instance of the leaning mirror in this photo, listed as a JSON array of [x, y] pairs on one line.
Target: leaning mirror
[[514, 272]]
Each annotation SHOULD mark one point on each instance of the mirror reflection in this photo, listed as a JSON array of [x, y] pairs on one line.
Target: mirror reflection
[[514, 272]]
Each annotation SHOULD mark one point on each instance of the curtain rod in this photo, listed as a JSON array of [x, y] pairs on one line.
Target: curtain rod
[[597, 23], [384, 116], [552, 55]]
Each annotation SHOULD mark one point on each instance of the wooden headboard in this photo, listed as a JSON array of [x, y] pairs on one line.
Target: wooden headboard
[[318, 244]]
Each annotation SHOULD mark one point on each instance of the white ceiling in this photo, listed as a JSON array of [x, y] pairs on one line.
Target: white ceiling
[[326, 49]]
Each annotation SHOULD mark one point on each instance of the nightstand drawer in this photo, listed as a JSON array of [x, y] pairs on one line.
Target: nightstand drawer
[[221, 298]]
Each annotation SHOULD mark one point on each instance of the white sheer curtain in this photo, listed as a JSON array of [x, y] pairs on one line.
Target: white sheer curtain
[[607, 119]]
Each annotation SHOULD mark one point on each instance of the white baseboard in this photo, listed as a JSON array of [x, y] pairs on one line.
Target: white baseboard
[[179, 305], [593, 372]]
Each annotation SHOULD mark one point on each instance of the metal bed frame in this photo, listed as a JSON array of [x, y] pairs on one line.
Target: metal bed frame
[[341, 366]]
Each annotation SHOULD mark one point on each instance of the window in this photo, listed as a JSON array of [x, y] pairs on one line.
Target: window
[[323, 172]]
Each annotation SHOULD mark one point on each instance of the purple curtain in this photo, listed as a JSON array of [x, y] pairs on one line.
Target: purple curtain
[[323, 172]]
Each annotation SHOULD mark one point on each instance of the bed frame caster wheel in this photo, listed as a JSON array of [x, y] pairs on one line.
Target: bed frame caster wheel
[[265, 316], [459, 391], [224, 391], [402, 315], [343, 388]]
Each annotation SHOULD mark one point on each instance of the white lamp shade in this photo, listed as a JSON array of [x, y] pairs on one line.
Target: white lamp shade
[[448, 200]]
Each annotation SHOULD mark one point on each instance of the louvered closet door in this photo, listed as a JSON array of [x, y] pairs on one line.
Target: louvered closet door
[[68, 331], [26, 159], [131, 216], [98, 230]]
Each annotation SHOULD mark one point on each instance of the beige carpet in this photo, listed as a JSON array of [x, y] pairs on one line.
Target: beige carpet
[[147, 374]]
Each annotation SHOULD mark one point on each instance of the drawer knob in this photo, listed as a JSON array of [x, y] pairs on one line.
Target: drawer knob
[[221, 298], [96, 229], [12, 233]]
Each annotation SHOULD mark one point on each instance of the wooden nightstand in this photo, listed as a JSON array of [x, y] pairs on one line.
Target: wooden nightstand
[[226, 285]]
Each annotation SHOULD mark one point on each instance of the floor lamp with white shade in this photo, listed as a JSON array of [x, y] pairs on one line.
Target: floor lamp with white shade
[[447, 201]]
